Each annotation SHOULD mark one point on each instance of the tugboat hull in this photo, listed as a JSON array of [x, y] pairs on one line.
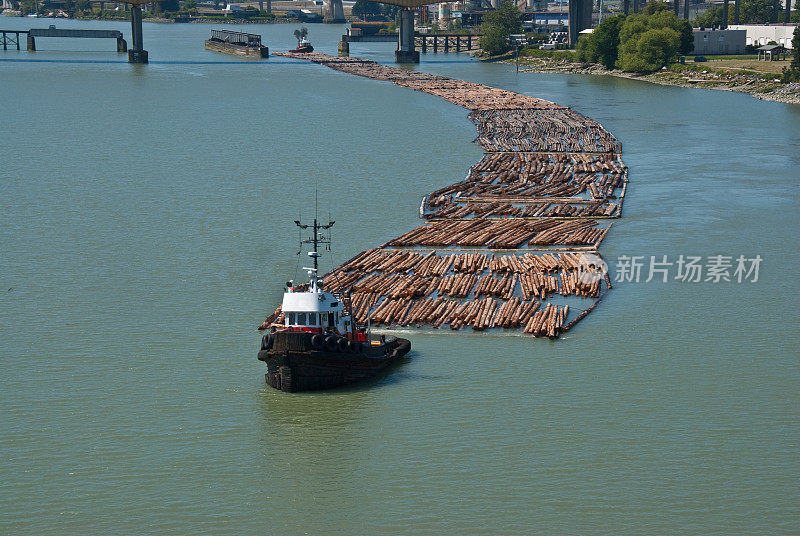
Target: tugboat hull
[[296, 363]]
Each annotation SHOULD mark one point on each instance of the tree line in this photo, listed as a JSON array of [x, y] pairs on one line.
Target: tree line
[[750, 12], [642, 42]]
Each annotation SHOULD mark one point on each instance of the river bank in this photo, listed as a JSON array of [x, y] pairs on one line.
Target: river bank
[[697, 76]]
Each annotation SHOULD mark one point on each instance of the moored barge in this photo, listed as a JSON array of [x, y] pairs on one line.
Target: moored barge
[[237, 44]]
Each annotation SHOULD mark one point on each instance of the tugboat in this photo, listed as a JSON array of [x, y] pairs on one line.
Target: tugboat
[[319, 345], [303, 44]]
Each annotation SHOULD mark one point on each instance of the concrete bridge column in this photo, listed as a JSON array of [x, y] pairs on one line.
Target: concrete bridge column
[[580, 18], [137, 54], [406, 51], [725, 14], [334, 12], [31, 43]]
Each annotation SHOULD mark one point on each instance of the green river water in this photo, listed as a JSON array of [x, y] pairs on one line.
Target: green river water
[[146, 230]]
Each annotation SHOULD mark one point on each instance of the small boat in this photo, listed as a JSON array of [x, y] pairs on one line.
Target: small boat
[[303, 46], [318, 345]]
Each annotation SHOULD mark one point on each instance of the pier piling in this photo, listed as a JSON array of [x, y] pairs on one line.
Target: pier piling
[[137, 54], [11, 40], [344, 47], [406, 51]]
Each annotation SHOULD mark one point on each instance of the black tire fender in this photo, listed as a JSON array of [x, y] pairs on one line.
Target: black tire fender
[[266, 341], [318, 341], [331, 343], [353, 347], [343, 344]]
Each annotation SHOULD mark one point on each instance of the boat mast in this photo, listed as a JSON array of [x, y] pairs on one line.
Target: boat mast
[[315, 239]]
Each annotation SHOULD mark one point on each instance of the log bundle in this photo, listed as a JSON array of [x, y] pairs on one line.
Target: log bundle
[[460, 289], [541, 130], [477, 96], [502, 245], [360, 67], [507, 233], [533, 185]]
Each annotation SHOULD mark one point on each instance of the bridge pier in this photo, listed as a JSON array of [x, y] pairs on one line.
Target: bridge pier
[[725, 8], [406, 51], [137, 54], [31, 43], [580, 17], [334, 12], [6, 39]]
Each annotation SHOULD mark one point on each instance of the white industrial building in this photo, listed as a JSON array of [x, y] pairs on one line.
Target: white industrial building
[[761, 34]]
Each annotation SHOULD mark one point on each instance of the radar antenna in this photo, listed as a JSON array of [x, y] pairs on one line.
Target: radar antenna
[[316, 238]]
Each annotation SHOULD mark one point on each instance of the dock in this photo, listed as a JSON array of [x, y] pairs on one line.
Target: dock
[[506, 246]]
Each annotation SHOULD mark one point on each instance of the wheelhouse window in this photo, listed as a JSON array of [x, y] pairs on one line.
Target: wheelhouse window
[[291, 319], [301, 319]]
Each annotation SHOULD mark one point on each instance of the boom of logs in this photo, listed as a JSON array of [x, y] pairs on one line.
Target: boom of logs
[[547, 176], [532, 185], [509, 233], [541, 130]]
